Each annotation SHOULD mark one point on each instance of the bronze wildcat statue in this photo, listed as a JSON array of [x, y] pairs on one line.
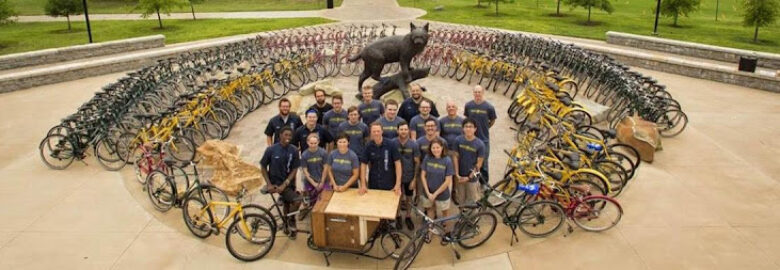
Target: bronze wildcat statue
[[390, 50]]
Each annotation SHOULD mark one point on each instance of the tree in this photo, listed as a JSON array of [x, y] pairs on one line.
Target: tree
[[57, 8], [192, 6], [6, 12], [149, 7], [675, 8], [604, 5], [759, 13]]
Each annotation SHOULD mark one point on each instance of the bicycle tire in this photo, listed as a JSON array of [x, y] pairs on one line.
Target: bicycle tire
[[594, 208], [536, 213], [674, 125], [471, 226], [254, 208], [409, 253], [107, 155], [181, 149], [617, 176], [256, 223], [161, 190], [199, 228], [211, 129], [393, 241], [57, 148], [506, 186]]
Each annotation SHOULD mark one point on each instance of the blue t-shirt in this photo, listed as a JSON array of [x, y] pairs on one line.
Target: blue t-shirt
[[381, 164], [409, 151], [280, 162], [390, 128], [450, 128], [357, 135], [409, 108], [418, 124], [468, 153], [371, 112], [423, 143], [332, 119], [314, 162], [342, 165], [436, 170], [482, 113]]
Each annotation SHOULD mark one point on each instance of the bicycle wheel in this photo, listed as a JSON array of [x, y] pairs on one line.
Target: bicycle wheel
[[597, 213], [617, 176], [181, 149], [596, 178], [409, 252], [195, 135], [476, 229], [107, 154], [393, 241], [250, 238], [540, 218], [508, 187], [161, 190], [56, 151], [578, 117], [197, 221], [211, 129], [672, 122]]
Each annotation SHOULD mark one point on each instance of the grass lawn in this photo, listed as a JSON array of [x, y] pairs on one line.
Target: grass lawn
[[630, 16], [35, 7], [21, 37]]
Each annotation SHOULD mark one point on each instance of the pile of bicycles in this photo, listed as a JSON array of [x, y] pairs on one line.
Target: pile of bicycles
[[564, 166]]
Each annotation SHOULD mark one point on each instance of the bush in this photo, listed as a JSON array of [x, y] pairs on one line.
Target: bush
[[759, 13], [6, 12], [65, 8]]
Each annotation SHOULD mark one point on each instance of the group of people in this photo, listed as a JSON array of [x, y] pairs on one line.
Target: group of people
[[405, 148]]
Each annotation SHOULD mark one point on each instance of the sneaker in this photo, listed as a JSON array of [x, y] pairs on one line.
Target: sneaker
[[409, 224], [293, 234]]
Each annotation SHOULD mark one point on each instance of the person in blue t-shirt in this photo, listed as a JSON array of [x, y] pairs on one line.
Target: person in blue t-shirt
[[357, 131], [313, 165], [333, 118], [389, 120], [343, 165], [417, 124], [311, 126], [370, 109], [451, 125], [484, 114], [278, 165], [410, 161], [436, 174], [470, 155], [411, 106], [283, 119], [381, 162]]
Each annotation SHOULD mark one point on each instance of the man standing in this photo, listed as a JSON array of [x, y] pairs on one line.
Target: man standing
[[321, 106], [484, 114], [470, 152], [410, 107], [370, 109], [278, 165], [431, 132], [389, 120], [451, 125], [284, 119], [357, 131], [336, 116], [417, 124], [311, 126], [410, 161], [380, 166]]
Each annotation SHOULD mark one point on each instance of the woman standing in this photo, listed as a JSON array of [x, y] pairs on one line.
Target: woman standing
[[342, 165], [437, 170]]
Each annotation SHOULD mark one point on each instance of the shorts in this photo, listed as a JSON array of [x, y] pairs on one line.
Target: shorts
[[405, 189], [440, 205], [468, 193], [308, 187], [289, 195]]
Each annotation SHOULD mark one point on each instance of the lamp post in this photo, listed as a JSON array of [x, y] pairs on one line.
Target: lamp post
[[657, 12], [86, 17]]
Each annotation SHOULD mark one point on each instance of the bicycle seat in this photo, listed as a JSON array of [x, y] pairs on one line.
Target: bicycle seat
[[555, 175], [552, 86], [566, 101]]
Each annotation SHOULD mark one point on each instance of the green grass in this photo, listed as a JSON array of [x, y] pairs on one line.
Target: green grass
[[21, 37], [630, 16], [35, 7]]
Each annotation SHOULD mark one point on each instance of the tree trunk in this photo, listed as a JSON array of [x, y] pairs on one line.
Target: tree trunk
[[558, 9], [193, 11], [159, 20], [675, 19], [68, 17], [496, 7], [755, 35], [588, 14]]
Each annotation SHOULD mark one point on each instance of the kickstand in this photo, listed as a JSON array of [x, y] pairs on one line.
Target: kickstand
[[569, 229], [326, 255], [514, 237]]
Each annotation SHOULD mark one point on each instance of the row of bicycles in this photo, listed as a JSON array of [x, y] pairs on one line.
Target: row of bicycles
[[563, 167]]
